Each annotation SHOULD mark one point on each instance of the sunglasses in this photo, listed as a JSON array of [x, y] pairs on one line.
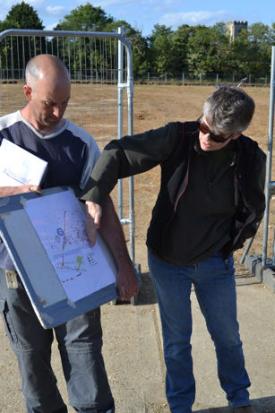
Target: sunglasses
[[216, 138]]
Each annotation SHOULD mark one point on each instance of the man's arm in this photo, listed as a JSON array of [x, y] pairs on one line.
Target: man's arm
[[15, 190], [112, 233]]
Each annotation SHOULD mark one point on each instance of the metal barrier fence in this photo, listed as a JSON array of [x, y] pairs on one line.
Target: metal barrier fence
[[100, 63], [264, 266], [187, 79]]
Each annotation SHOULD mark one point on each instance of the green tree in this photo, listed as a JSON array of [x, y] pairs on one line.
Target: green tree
[[139, 46], [161, 50], [207, 51], [272, 33], [22, 16], [260, 36], [86, 18], [250, 52], [259, 33], [221, 28], [85, 54], [180, 38], [89, 18], [15, 52]]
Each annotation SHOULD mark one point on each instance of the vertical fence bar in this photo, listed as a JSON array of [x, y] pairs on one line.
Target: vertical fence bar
[[120, 115], [269, 157], [130, 100]]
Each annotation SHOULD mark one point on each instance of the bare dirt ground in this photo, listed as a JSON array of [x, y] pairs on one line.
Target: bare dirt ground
[[136, 367], [157, 105], [94, 107], [154, 106]]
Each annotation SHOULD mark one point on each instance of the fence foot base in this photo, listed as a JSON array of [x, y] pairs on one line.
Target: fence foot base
[[262, 274]]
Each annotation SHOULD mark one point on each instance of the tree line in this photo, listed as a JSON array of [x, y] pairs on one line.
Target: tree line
[[195, 52]]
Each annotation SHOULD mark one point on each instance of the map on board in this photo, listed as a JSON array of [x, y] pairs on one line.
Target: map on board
[[59, 221]]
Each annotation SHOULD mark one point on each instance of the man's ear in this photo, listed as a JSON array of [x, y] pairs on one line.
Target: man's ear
[[27, 92]]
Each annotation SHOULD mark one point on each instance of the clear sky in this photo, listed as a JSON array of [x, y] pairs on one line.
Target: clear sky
[[144, 14]]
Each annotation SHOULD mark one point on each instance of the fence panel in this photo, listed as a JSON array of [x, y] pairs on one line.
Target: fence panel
[[100, 65]]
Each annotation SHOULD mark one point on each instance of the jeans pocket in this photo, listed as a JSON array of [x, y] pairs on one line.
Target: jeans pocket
[[8, 322], [217, 264]]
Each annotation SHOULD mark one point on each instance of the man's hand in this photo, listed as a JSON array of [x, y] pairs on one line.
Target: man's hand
[[126, 281], [112, 233], [34, 188], [94, 213], [15, 190]]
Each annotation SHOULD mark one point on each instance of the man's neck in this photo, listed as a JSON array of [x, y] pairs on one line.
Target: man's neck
[[43, 130]]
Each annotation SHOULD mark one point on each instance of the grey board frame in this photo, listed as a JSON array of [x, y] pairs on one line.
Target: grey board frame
[[36, 272]]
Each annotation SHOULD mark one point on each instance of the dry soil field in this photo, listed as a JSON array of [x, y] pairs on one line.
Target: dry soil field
[[132, 344], [94, 108]]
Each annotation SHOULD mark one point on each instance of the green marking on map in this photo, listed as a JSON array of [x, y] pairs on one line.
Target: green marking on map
[[79, 260]]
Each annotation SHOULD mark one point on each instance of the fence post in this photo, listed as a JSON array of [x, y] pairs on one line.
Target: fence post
[[269, 158], [182, 78]]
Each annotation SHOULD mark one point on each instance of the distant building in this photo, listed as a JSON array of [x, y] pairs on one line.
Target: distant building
[[234, 28]]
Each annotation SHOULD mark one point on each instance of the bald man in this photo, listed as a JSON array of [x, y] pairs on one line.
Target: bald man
[[71, 154]]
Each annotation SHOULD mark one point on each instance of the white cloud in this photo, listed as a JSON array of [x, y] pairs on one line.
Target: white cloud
[[51, 26], [35, 3], [55, 10], [195, 17]]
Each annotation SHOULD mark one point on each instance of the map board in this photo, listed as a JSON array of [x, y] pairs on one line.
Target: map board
[[63, 274]]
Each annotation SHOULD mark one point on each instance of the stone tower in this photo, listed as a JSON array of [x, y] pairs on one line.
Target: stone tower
[[234, 29]]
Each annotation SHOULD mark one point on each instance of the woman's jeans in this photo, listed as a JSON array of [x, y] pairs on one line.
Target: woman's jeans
[[80, 344], [214, 285]]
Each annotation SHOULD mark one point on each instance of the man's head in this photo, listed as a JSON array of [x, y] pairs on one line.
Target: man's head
[[226, 114], [47, 90]]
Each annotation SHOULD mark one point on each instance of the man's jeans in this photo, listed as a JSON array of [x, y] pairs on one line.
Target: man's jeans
[[214, 284], [79, 342]]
